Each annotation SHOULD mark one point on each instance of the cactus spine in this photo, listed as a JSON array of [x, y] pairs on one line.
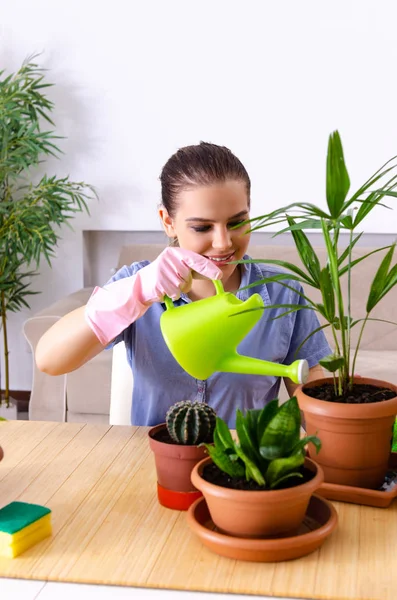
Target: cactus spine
[[191, 423]]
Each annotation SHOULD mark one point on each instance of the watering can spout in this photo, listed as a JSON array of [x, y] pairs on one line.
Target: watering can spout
[[298, 371]]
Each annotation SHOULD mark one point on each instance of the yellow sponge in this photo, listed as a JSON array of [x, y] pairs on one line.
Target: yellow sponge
[[21, 526]]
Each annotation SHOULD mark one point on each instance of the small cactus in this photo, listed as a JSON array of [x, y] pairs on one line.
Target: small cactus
[[191, 423]]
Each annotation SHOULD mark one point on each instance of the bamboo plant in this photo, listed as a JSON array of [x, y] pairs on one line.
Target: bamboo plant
[[346, 214], [32, 208]]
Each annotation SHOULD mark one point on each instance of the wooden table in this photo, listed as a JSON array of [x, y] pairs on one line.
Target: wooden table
[[108, 527]]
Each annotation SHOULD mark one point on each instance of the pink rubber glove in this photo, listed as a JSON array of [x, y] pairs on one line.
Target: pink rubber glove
[[114, 307]]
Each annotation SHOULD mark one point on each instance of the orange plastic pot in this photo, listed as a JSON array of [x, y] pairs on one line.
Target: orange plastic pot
[[356, 438], [174, 464], [254, 514]]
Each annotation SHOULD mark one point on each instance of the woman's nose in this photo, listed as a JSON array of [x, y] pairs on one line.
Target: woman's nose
[[222, 239]]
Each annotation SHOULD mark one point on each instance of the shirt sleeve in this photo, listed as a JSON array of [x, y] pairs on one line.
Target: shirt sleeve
[[305, 321]]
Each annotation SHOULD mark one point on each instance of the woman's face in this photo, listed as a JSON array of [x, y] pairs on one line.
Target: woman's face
[[204, 219]]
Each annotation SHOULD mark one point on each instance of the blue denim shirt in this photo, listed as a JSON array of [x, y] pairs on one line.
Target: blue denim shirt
[[159, 381]]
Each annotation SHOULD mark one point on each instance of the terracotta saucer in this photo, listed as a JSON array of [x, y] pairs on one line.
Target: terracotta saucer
[[320, 521], [356, 495]]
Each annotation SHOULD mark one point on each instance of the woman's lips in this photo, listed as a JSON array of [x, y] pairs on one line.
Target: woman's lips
[[221, 260]]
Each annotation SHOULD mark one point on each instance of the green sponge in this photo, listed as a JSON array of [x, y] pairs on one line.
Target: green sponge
[[21, 526]]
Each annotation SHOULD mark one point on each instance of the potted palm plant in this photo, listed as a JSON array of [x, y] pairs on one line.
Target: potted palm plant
[[177, 447], [259, 485], [32, 207], [353, 416]]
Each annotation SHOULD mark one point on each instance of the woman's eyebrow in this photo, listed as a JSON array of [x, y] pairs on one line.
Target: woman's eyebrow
[[240, 214]]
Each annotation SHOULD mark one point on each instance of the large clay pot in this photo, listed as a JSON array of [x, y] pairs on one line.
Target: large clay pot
[[174, 464], [254, 514], [356, 438]]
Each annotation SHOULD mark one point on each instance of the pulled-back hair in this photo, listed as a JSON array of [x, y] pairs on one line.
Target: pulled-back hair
[[202, 165]]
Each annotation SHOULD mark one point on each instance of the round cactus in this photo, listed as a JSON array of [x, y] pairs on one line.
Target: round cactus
[[191, 423]]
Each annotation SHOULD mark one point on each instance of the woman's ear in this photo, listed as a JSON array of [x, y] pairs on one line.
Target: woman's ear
[[167, 222]]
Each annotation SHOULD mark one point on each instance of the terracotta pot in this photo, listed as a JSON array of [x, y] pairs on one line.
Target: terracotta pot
[[1, 453], [174, 464], [252, 514], [356, 438]]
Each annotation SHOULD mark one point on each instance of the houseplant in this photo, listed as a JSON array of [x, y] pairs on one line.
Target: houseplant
[[354, 417], [260, 484], [32, 207], [176, 448]]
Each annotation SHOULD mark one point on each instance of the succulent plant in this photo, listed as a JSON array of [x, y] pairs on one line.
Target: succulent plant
[[269, 449], [191, 423]]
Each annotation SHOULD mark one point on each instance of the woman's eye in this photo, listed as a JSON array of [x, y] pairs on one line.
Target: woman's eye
[[202, 228], [236, 223]]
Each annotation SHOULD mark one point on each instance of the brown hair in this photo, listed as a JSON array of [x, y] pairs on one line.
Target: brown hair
[[201, 165]]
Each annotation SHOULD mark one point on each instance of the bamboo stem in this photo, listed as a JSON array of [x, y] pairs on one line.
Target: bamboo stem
[[6, 351]]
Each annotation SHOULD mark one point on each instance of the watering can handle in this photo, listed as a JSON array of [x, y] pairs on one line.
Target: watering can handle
[[218, 288]]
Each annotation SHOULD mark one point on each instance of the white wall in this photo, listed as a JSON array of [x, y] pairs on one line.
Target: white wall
[[136, 80]]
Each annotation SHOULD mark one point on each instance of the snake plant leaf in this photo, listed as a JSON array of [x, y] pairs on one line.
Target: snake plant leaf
[[337, 179], [282, 466], [307, 440], [276, 483], [245, 441], [252, 470], [223, 434], [270, 452], [252, 417], [306, 252], [222, 460], [266, 415], [379, 281], [282, 432], [332, 362]]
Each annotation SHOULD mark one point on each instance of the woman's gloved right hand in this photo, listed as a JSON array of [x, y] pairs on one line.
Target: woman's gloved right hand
[[114, 307]]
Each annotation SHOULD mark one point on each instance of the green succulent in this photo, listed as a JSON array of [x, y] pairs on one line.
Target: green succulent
[[269, 449], [190, 423]]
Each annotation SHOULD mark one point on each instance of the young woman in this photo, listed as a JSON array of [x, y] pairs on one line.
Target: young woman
[[205, 196]]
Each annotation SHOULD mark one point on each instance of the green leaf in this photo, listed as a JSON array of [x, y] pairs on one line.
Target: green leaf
[[328, 294], [232, 468], [309, 439], [338, 182], [223, 434], [266, 415], [284, 478], [348, 249], [376, 291], [358, 260], [245, 442], [280, 467], [307, 253], [332, 362], [282, 432], [252, 470], [302, 276]]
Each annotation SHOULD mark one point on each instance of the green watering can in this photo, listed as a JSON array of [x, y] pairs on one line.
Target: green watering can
[[203, 336]]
